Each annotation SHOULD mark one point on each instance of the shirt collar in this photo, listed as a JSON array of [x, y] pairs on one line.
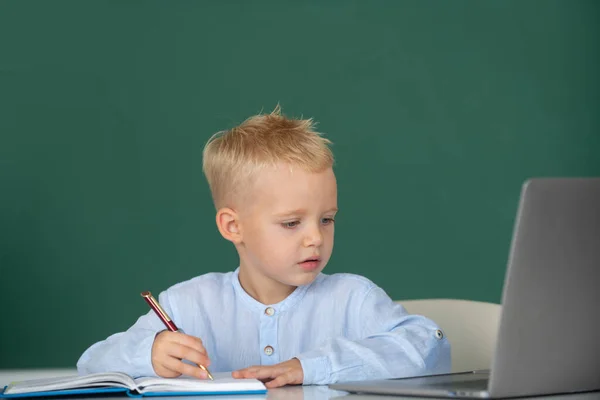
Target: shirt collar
[[254, 304]]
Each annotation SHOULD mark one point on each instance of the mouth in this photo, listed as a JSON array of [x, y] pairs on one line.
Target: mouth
[[310, 263]]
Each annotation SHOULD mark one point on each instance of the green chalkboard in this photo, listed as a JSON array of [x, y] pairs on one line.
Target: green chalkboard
[[438, 111]]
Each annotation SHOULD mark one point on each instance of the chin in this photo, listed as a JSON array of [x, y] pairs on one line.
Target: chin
[[304, 278]]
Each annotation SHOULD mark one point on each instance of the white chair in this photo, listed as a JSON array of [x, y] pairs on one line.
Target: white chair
[[470, 326]]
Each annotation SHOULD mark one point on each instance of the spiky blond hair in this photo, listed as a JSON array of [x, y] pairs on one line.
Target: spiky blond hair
[[232, 158]]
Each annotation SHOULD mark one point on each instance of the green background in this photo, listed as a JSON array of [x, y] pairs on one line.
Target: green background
[[438, 111]]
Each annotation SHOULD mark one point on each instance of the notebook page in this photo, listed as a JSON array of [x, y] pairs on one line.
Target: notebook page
[[113, 379], [223, 383]]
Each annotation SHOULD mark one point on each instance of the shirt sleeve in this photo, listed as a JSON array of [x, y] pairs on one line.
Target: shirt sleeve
[[130, 351], [393, 344]]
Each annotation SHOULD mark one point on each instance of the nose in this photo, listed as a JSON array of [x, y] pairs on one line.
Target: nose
[[314, 236]]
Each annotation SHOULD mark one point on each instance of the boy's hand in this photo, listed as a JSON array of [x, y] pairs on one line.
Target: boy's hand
[[170, 348], [285, 373]]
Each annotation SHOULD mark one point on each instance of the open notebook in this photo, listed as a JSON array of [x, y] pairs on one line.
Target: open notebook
[[115, 382]]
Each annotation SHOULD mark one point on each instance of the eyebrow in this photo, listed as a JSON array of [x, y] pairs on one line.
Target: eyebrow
[[300, 211]]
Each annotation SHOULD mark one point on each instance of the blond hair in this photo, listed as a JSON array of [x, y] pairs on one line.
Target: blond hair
[[232, 158]]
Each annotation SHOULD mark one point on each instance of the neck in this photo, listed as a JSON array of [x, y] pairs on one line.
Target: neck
[[263, 289]]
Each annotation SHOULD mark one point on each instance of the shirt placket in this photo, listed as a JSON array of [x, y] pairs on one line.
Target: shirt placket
[[269, 351]]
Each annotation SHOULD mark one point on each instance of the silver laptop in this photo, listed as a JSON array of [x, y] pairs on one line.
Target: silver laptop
[[549, 333]]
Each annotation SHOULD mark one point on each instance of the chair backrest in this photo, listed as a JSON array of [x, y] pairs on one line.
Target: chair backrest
[[470, 326]]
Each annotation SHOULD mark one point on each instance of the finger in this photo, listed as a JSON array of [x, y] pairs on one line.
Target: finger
[[237, 374], [170, 363], [263, 373], [277, 382], [179, 366], [183, 352], [187, 340], [270, 372], [243, 374], [192, 370], [281, 380], [246, 372]]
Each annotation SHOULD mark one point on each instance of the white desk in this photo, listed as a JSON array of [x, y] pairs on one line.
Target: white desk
[[285, 393]]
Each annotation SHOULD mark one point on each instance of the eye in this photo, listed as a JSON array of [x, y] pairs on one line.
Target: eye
[[291, 224], [327, 221]]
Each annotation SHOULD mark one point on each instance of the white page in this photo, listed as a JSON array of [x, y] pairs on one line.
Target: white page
[[223, 383], [113, 379]]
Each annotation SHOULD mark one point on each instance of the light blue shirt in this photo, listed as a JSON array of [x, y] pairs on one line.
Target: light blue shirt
[[341, 327]]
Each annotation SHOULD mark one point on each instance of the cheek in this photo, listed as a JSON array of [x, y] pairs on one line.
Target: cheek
[[278, 249], [256, 237], [281, 239], [272, 239], [329, 233]]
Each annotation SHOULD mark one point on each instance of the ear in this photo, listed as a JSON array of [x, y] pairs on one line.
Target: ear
[[228, 223]]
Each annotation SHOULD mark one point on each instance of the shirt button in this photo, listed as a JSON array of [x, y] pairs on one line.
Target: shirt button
[[269, 350], [439, 334], [269, 311]]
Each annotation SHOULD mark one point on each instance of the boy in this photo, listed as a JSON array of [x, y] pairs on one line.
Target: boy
[[276, 317]]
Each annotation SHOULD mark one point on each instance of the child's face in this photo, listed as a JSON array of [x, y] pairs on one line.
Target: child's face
[[287, 229]]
